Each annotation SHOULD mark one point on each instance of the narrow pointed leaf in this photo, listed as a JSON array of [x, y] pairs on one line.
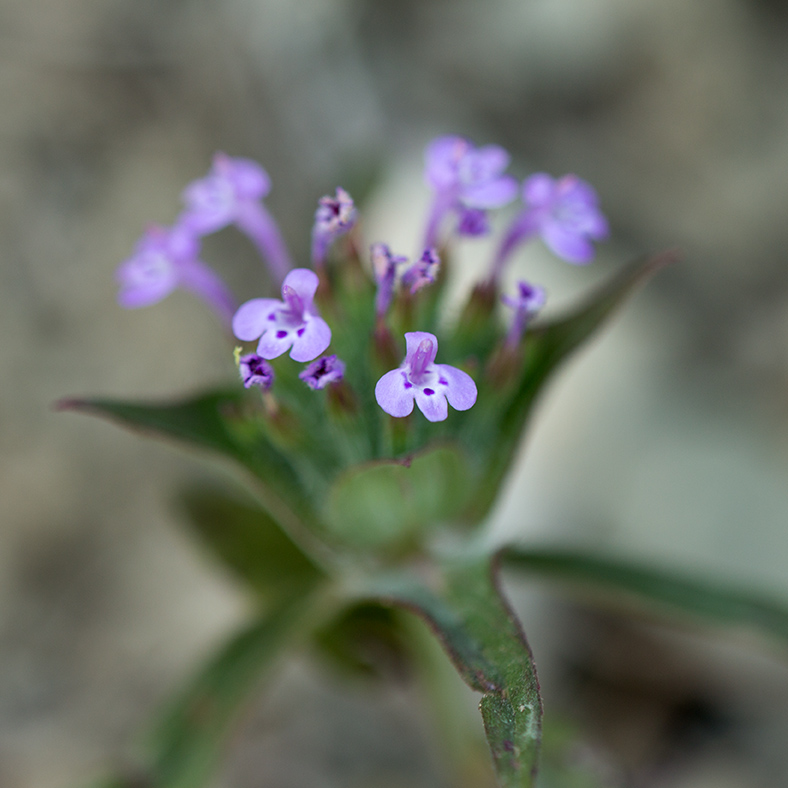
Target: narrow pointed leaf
[[463, 606], [216, 422], [247, 540], [546, 347], [663, 591], [184, 748]]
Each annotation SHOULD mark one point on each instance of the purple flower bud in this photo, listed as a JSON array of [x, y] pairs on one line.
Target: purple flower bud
[[464, 177], [163, 260], [292, 323], [255, 371], [564, 212], [325, 370], [422, 272], [231, 194], [419, 379], [384, 267], [334, 217], [528, 301]]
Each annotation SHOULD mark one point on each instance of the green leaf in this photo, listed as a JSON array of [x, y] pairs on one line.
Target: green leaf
[[251, 544], [463, 606], [201, 421], [183, 748], [663, 591], [386, 503], [218, 422], [497, 431]]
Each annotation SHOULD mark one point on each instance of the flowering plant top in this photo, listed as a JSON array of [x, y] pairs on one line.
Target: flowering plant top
[[467, 181], [364, 446]]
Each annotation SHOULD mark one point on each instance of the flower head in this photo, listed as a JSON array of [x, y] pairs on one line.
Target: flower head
[[216, 200], [334, 217], [419, 379], [422, 272], [163, 260], [292, 323], [566, 212], [467, 180], [255, 371], [231, 193], [325, 370]]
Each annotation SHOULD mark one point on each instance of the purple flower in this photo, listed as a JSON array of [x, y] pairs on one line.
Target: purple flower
[[334, 217], [231, 194], [422, 272], [528, 301], [163, 260], [325, 370], [564, 212], [421, 380], [292, 322], [467, 180], [384, 267], [255, 371]]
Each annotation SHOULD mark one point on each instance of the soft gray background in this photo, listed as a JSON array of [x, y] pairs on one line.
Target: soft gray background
[[666, 440]]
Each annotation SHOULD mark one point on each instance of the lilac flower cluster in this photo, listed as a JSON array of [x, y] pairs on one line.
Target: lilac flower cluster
[[467, 182]]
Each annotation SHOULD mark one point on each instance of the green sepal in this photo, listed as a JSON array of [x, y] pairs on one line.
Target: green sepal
[[653, 590]]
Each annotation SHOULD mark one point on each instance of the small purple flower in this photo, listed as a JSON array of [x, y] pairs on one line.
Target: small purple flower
[[255, 371], [384, 267], [163, 260], [422, 272], [325, 370], [231, 194], [467, 180], [528, 301], [334, 217], [564, 212], [292, 322], [421, 380]]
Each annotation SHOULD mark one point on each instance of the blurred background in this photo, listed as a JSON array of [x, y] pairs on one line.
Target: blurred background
[[664, 441]]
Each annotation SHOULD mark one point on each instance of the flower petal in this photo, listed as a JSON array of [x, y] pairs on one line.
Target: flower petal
[[272, 345], [248, 178], [311, 339], [490, 194], [252, 318], [460, 389], [135, 296], [571, 245], [413, 340], [441, 158], [304, 282], [432, 405], [395, 394], [538, 189]]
